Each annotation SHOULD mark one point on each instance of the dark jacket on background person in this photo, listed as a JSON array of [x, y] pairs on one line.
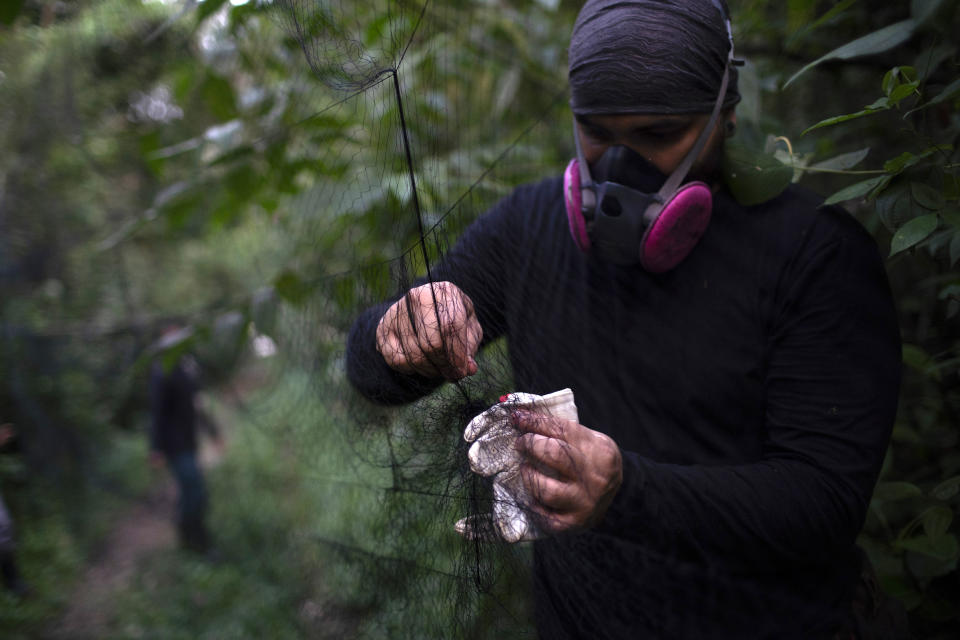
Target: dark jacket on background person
[[173, 414]]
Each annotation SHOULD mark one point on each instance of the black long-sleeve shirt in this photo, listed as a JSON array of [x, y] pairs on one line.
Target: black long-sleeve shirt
[[752, 391], [173, 425]]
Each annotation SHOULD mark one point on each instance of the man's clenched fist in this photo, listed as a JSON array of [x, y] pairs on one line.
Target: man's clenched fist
[[432, 331]]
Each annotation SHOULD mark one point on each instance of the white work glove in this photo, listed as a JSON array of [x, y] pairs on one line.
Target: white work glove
[[493, 453]]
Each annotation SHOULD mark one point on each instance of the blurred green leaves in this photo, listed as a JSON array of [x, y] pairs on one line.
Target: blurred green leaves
[[219, 96], [9, 10], [876, 42], [753, 176], [912, 199], [207, 8], [912, 232], [858, 189], [239, 212]]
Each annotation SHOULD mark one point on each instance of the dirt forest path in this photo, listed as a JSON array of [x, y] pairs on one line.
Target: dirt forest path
[[145, 528]]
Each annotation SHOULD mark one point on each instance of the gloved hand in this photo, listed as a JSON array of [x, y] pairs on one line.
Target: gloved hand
[[494, 453]]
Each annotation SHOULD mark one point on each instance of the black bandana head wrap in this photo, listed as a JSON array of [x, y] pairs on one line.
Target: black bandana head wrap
[[649, 56]]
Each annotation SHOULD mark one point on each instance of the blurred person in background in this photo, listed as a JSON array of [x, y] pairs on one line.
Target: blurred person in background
[[175, 419], [12, 579]]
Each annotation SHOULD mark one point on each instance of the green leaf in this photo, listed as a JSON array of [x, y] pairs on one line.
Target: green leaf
[[835, 10], [377, 280], [937, 148], [290, 287], [919, 360], [242, 182], [269, 203], [951, 216], [149, 145], [902, 91], [239, 153], [889, 81], [926, 196], [944, 548], [846, 117], [946, 489], [345, 293], [208, 8], [843, 161], [219, 97], [896, 77], [901, 162], [936, 521], [895, 206], [948, 93], [939, 241], [9, 10], [857, 190], [895, 491], [903, 433], [913, 232], [900, 588], [924, 568], [876, 42], [955, 248], [752, 176], [924, 10]]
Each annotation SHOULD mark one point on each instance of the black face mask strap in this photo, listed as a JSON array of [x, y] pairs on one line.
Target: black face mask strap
[[587, 194], [676, 178]]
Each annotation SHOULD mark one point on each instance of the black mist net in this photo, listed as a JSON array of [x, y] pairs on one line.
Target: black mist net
[[425, 226], [722, 526]]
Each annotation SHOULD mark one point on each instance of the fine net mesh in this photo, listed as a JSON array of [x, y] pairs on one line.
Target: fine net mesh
[[395, 134], [426, 154]]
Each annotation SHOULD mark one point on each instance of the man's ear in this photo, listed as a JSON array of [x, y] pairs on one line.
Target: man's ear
[[730, 125]]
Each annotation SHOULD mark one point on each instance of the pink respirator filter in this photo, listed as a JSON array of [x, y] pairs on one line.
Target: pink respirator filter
[[574, 203], [674, 233]]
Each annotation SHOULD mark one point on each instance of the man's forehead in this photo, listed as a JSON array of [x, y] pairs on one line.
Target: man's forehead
[[636, 120], [649, 56]]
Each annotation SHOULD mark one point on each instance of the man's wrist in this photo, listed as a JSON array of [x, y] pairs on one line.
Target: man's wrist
[[615, 518]]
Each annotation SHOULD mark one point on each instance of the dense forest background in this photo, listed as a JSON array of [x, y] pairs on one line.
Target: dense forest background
[[177, 162]]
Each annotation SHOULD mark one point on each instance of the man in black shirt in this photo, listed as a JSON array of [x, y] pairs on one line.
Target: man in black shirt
[[173, 441], [734, 408]]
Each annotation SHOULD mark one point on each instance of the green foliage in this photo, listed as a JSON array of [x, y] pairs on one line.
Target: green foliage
[[753, 176], [298, 519], [911, 531], [906, 133], [10, 10], [876, 42], [119, 216], [49, 559], [51, 545]]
